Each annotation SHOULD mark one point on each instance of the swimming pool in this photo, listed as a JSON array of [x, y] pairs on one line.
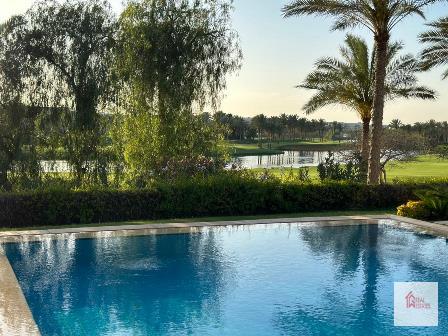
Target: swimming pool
[[275, 279]]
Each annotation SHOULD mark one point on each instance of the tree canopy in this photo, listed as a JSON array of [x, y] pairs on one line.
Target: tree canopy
[[350, 81], [69, 46], [174, 57]]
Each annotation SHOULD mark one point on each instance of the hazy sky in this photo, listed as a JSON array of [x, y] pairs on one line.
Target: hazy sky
[[278, 53]]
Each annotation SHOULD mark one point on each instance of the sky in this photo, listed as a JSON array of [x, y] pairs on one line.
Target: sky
[[279, 53]]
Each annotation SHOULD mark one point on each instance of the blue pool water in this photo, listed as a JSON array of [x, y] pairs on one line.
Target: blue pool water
[[284, 279]]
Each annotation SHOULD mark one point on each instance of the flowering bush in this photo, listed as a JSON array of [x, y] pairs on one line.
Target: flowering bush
[[414, 209], [433, 204]]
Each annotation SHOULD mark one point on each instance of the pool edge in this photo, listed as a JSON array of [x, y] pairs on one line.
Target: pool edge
[[15, 315], [175, 227]]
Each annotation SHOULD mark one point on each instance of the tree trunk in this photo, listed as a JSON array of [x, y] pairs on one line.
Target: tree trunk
[[365, 147], [3, 179], [4, 183], [381, 44]]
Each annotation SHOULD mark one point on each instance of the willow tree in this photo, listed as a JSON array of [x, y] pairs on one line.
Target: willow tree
[[173, 57], [17, 110], [380, 17], [349, 81], [71, 43]]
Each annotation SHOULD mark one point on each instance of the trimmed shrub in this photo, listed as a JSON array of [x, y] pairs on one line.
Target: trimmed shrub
[[227, 195], [414, 209], [433, 204]]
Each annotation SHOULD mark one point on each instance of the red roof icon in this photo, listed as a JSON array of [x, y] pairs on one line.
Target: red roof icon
[[410, 300]]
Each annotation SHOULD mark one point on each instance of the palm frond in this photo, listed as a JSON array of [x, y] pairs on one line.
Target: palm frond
[[318, 101], [349, 80], [347, 14], [436, 54], [375, 15], [421, 92]]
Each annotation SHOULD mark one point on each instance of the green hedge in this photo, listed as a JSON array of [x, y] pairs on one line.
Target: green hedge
[[196, 198]]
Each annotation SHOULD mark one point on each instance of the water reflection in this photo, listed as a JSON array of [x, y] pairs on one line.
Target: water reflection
[[56, 166], [165, 278], [368, 259], [289, 159]]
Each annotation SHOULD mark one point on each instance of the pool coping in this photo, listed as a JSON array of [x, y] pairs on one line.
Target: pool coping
[[15, 314], [440, 229], [178, 225], [16, 317]]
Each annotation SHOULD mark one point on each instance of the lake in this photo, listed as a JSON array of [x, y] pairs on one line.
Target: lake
[[289, 159], [57, 166]]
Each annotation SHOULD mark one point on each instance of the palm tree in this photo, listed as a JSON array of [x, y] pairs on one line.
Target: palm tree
[[437, 40], [260, 123], [379, 17], [350, 81], [395, 124], [301, 124], [321, 128]]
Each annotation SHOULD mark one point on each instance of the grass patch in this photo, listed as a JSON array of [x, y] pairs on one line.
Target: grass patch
[[215, 219], [426, 166], [423, 169]]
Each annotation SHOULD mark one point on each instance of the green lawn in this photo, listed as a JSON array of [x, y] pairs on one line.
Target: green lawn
[[218, 219], [425, 167]]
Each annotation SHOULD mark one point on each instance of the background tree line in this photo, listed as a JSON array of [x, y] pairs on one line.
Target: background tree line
[[436, 132], [278, 128], [294, 127]]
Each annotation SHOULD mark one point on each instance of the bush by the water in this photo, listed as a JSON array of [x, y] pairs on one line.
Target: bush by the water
[[332, 170], [217, 195]]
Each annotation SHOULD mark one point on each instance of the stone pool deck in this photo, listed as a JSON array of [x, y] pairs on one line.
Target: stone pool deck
[[16, 317]]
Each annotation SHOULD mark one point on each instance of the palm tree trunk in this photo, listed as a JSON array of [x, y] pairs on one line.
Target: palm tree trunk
[[381, 42], [365, 147]]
